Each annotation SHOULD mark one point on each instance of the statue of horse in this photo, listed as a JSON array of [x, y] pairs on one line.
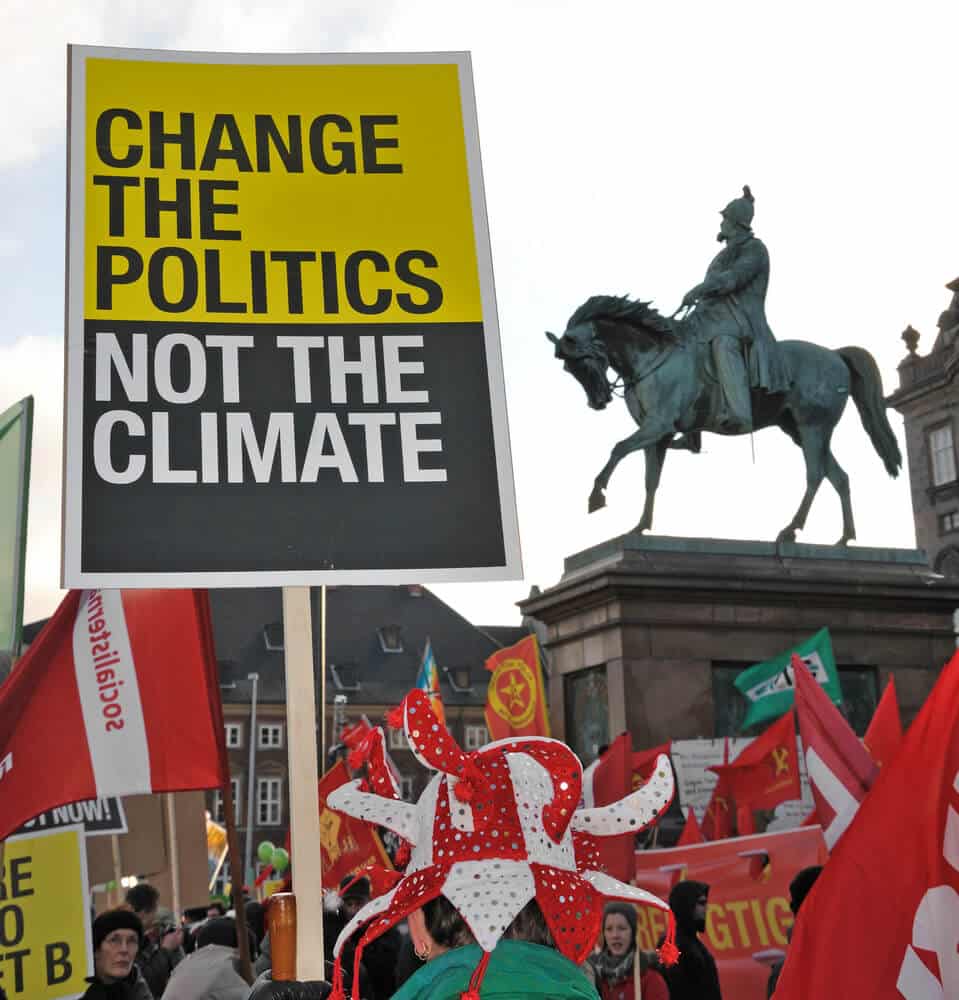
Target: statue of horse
[[670, 388]]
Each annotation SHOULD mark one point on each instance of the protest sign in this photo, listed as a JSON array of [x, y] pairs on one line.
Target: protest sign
[[45, 941], [99, 817], [281, 324], [748, 917]]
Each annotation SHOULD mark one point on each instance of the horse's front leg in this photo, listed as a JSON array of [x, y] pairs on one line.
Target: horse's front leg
[[641, 439], [655, 456]]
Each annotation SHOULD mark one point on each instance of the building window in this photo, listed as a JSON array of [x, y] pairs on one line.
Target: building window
[[859, 686], [270, 736], [587, 712], [391, 638], [943, 455], [476, 737], [396, 739], [406, 788], [269, 801], [234, 735], [218, 814], [949, 522]]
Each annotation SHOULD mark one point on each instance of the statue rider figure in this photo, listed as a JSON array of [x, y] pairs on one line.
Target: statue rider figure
[[729, 313]]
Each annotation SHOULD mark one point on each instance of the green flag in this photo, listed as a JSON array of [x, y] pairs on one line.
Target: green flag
[[769, 686], [16, 427]]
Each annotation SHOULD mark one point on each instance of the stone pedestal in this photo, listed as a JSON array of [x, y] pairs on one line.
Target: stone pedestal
[[660, 613]]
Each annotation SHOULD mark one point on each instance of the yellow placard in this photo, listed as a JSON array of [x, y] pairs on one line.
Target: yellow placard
[[45, 943], [246, 192]]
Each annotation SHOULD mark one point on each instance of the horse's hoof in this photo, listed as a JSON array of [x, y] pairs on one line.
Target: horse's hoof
[[597, 500], [845, 540], [786, 535]]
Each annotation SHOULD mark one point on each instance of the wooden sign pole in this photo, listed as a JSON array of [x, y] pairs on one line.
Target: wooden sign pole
[[304, 775]]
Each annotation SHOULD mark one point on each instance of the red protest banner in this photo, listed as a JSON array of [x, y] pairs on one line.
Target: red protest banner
[[346, 844], [748, 917]]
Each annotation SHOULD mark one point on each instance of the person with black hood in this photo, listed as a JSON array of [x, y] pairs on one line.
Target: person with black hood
[[799, 888], [117, 937], [694, 977]]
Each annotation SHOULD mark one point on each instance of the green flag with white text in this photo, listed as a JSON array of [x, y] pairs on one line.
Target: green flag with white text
[[16, 427], [769, 687]]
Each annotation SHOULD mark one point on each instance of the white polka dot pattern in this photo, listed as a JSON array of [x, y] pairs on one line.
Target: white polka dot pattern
[[488, 895], [425, 817], [533, 789], [400, 817], [634, 812], [612, 888], [371, 909], [462, 818]]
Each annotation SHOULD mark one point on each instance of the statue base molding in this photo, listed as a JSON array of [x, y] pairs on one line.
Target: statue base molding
[[658, 616]]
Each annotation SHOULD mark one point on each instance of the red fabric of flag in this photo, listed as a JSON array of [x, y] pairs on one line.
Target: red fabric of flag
[[692, 832], [839, 767], [767, 771], [884, 735], [718, 818], [118, 695], [515, 698], [644, 763], [882, 920], [611, 781]]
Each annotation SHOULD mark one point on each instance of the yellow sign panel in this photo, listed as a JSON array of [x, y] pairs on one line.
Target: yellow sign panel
[[45, 944], [280, 317], [270, 193]]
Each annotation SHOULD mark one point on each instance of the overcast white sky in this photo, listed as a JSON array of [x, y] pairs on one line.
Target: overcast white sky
[[612, 133]]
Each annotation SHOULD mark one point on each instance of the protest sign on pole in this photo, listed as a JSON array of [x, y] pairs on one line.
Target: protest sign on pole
[[47, 950], [281, 324]]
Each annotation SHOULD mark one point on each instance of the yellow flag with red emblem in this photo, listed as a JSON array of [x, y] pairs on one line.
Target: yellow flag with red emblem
[[515, 699]]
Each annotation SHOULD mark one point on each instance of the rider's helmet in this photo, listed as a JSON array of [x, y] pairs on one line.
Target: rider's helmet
[[740, 210]]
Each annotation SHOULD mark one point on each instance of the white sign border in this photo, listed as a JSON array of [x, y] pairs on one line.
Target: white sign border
[[72, 574]]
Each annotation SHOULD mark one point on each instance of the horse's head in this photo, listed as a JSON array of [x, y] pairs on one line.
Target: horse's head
[[584, 356]]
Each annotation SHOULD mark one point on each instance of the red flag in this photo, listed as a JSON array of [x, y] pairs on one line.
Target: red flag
[[610, 779], [718, 818], [118, 695], [884, 734], [765, 773], [839, 767], [346, 844], [644, 763], [692, 832], [515, 698], [887, 903]]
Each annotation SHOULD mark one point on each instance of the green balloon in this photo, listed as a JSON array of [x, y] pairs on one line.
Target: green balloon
[[265, 852], [281, 860]]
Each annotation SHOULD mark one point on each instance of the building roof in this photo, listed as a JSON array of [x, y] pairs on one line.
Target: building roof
[[374, 644]]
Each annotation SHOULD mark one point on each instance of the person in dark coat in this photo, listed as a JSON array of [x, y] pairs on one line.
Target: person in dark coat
[[380, 957], [117, 936], [798, 890], [694, 977]]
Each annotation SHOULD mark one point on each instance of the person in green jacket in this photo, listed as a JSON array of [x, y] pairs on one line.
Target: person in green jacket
[[525, 962]]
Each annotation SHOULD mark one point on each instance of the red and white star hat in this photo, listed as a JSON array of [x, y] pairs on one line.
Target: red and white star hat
[[496, 828]]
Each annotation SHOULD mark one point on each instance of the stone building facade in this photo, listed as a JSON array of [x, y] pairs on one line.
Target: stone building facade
[[928, 399]]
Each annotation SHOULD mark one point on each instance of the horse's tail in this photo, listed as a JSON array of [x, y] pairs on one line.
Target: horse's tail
[[869, 400]]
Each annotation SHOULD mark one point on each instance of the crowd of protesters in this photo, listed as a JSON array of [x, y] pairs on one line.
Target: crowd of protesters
[[142, 953]]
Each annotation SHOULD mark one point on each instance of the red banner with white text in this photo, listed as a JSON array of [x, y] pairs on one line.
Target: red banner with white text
[[748, 917]]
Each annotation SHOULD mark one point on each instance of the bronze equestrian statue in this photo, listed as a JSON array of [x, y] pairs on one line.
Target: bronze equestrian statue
[[719, 369]]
